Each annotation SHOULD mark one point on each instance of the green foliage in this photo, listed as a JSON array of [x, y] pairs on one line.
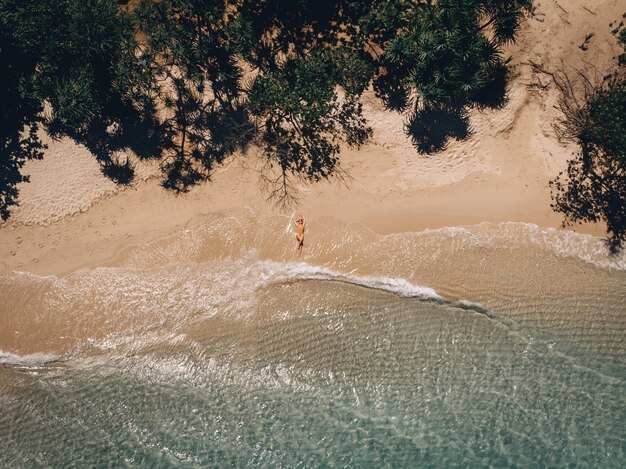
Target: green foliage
[[19, 109], [74, 45], [443, 57], [194, 81], [197, 79], [304, 118], [605, 124], [310, 75], [595, 186], [444, 54], [67, 54]]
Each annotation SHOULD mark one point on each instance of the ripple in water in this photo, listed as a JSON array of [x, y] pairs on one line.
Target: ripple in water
[[514, 355]]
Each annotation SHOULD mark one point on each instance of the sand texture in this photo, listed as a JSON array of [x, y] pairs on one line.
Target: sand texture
[[71, 215]]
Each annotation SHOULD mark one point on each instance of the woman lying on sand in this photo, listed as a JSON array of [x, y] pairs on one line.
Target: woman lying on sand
[[300, 223]]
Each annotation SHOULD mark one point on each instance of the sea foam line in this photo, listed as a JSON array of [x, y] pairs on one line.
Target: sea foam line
[[290, 272], [32, 359], [562, 242], [301, 271]]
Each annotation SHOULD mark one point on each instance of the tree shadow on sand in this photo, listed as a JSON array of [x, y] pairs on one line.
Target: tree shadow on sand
[[431, 129], [146, 138], [493, 95], [212, 137]]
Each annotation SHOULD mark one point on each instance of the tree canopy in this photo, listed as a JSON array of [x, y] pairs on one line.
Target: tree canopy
[[194, 81], [64, 69], [593, 188]]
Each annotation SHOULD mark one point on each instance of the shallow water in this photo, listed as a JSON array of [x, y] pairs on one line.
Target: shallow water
[[500, 345]]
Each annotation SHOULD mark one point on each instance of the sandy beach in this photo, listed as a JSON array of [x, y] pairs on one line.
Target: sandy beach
[[72, 216], [439, 315]]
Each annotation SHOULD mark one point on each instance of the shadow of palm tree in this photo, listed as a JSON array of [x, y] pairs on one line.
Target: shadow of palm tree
[[389, 88], [494, 94], [214, 137], [144, 136], [431, 129]]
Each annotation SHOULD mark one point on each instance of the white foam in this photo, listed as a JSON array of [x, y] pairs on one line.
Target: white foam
[[568, 243], [32, 359], [129, 298], [303, 271], [470, 304], [564, 243]]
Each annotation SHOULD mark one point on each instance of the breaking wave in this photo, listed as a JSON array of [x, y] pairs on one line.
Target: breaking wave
[[33, 359]]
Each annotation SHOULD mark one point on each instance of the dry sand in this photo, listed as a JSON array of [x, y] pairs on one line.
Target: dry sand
[[71, 216]]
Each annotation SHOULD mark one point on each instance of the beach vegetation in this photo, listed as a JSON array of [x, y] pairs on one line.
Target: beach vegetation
[[593, 187], [66, 68], [194, 81]]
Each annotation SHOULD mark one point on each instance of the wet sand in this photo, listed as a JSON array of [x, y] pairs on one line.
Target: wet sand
[[72, 217]]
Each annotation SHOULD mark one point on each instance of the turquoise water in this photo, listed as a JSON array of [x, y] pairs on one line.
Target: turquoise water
[[315, 369]]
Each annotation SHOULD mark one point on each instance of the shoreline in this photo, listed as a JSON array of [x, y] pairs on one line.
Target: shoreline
[[71, 216], [97, 236], [379, 195], [438, 311], [218, 268]]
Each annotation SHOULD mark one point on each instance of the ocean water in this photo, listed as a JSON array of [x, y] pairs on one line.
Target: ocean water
[[497, 345]]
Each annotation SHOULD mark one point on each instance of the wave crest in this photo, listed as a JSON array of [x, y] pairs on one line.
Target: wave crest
[[33, 359]]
